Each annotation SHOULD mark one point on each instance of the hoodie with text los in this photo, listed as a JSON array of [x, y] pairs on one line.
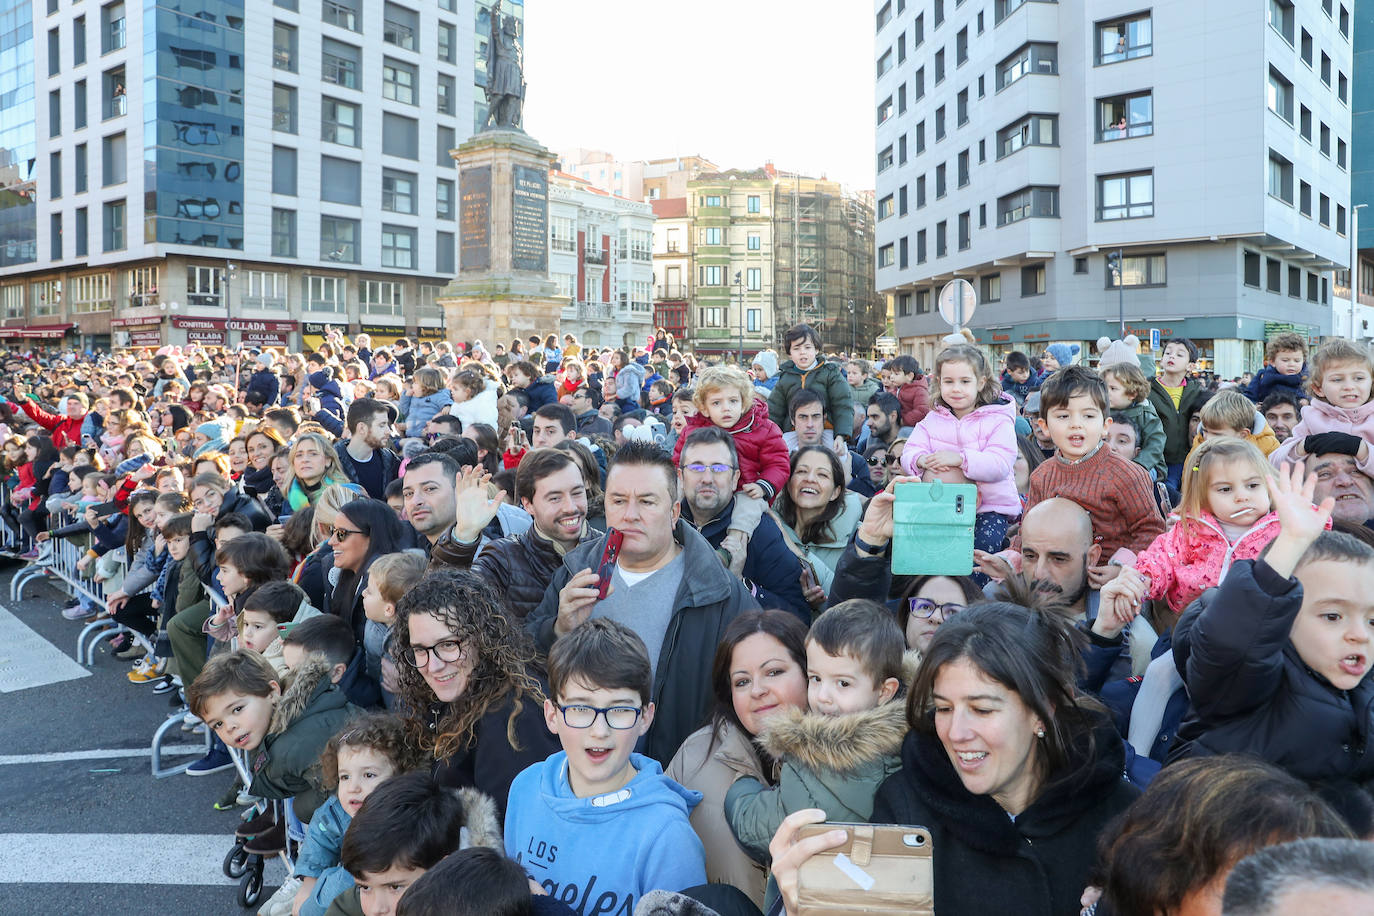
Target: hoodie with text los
[[562, 840]]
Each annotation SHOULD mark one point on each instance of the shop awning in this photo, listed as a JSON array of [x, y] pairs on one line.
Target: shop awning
[[38, 331]]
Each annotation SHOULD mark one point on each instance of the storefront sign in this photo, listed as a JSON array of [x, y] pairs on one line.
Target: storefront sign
[[143, 321], [388, 331], [265, 338], [430, 334], [250, 324], [145, 337], [474, 218], [211, 337]]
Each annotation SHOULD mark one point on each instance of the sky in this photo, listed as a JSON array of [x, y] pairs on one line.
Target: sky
[[736, 81]]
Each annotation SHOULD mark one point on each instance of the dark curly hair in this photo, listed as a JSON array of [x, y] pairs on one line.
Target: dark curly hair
[[379, 731], [501, 653]]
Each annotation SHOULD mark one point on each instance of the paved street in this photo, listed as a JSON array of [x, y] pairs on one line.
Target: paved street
[[85, 828]]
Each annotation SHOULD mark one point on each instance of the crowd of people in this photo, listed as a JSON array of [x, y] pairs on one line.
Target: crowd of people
[[564, 629]]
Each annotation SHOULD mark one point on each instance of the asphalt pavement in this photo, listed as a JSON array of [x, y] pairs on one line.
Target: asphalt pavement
[[84, 826]]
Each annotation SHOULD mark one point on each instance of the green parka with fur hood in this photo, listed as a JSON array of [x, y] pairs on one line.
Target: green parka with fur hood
[[287, 765]]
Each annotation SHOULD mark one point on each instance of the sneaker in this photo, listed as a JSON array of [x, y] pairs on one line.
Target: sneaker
[[30, 555], [258, 824], [190, 721], [132, 651], [217, 761], [168, 684], [78, 612], [268, 843], [147, 671], [243, 799], [229, 799]]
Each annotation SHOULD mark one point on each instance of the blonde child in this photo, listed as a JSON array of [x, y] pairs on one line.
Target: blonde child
[[112, 439], [724, 397], [969, 435], [426, 398], [474, 399], [1225, 515], [367, 752], [388, 579], [1340, 381], [1231, 414], [1128, 392]]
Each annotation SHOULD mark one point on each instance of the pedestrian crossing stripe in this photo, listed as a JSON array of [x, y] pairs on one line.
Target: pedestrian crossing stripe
[[121, 858], [28, 660]]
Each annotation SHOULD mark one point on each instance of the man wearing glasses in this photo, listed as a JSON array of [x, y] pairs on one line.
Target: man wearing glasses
[[708, 469], [589, 422]]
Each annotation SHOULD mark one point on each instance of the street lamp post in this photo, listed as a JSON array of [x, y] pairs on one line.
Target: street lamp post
[[853, 329], [1354, 278], [739, 288], [1115, 264]]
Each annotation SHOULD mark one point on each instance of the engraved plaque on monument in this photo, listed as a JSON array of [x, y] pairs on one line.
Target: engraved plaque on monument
[[474, 191], [529, 218]]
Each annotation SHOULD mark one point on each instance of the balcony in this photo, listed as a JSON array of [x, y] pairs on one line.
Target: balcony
[[672, 291], [596, 311], [117, 104], [594, 256]]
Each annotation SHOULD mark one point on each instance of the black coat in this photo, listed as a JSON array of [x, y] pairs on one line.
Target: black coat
[[235, 500], [520, 567], [769, 565], [1250, 691], [985, 862], [488, 763]]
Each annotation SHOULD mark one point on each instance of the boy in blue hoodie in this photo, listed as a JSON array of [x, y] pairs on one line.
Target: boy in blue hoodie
[[561, 812]]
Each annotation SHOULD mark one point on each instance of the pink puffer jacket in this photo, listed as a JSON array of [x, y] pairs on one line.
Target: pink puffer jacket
[[1186, 560], [986, 437], [1321, 417]]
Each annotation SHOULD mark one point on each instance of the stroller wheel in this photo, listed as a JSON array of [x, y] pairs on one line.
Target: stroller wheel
[[250, 886], [235, 861]]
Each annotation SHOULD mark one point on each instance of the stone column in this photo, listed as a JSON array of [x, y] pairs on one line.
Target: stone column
[[502, 291]]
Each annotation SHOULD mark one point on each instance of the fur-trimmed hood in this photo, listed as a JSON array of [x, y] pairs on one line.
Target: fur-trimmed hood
[[842, 744], [481, 821], [309, 681], [911, 663]]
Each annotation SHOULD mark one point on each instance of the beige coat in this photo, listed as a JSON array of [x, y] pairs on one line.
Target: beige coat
[[733, 756]]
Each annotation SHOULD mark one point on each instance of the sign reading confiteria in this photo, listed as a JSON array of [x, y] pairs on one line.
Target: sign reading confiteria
[[235, 324]]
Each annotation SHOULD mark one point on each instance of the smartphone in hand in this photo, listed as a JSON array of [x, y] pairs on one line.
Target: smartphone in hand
[[606, 568]]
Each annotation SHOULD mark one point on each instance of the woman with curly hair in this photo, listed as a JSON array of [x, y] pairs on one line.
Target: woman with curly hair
[[467, 682]]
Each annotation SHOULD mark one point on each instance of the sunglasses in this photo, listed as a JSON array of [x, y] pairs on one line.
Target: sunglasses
[[342, 534], [875, 461]]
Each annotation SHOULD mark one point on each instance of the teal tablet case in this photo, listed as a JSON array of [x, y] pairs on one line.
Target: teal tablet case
[[932, 529]]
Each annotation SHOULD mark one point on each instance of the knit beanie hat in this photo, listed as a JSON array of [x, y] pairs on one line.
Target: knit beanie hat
[[767, 360], [319, 379], [1064, 354], [218, 428], [1115, 352]]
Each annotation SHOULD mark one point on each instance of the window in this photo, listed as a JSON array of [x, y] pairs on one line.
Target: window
[[113, 99], [1342, 87], [939, 66], [1032, 130], [1280, 95], [401, 136], [1325, 144], [918, 32], [939, 181], [80, 167], [1311, 287], [963, 168], [884, 15], [443, 199], [79, 105], [398, 191], [399, 26], [884, 163], [114, 161], [1323, 209], [444, 142], [754, 203], [1345, 22], [885, 62], [55, 113], [887, 255], [1126, 196], [901, 99], [961, 107], [1306, 48], [398, 81], [901, 48], [941, 240], [12, 295], [83, 231], [713, 200], [753, 242], [901, 201], [45, 297], [1028, 203], [901, 150], [885, 110], [111, 27], [54, 240], [55, 176], [711, 235], [982, 216], [325, 294], [1280, 178], [203, 286], [114, 225], [339, 121], [1305, 199], [1138, 270], [753, 279], [885, 206], [903, 305], [1281, 18], [342, 13], [990, 287], [921, 247], [920, 192], [1034, 57], [939, 13], [380, 297], [903, 254], [54, 64], [341, 181], [1340, 220], [283, 108], [1252, 269], [1123, 116], [1295, 282], [283, 233], [284, 46], [922, 301], [1125, 39], [91, 293], [939, 124], [79, 41], [340, 64], [918, 83], [711, 317], [339, 239], [266, 290], [920, 137], [1273, 269], [284, 170], [961, 47], [1033, 280], [1326, 69], [447, 93], [562, 233], [1340, 153], [1305, 123], [448, 43], [965, 230]]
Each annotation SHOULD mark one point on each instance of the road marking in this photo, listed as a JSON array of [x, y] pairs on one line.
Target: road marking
[[170, 750], [121, 858], [28, 660]]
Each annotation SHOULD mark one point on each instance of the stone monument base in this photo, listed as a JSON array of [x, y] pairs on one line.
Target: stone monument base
[[499, 310]]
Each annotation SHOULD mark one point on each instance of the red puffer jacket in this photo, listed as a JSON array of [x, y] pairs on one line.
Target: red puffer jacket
[[763, 455], [915, 398]]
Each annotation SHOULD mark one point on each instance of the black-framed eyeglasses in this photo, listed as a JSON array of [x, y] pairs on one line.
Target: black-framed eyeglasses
[[924, 608], [619, 718], [342, 534], [448, 650], [696, 467]]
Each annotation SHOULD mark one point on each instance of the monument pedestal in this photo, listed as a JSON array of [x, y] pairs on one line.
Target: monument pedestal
[[502, 291]]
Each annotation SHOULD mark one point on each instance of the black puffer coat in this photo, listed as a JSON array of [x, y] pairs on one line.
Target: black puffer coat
[[520, 567], [985, 862]]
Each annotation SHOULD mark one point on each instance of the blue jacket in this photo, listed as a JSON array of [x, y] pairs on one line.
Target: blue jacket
[[420, 410], [770, 566], [266, 384], [541, 392], [1268, 379], [560, 839]]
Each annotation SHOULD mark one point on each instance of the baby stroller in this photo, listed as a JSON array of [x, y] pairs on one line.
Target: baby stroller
[[248, 865]]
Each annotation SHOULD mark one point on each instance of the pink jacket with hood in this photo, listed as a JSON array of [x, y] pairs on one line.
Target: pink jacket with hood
[[986, 437], [1321, 417], [1182, 566]]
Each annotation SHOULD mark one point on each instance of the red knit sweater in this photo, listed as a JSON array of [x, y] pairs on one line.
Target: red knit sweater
[[1117, 493]]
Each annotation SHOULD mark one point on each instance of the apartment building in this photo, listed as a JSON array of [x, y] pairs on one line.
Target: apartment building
[[1026, 145], [238, 171]]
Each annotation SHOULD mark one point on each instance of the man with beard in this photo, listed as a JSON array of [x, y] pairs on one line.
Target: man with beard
[[708, 469], [1281, 411], [806, 411], [550, 487], [364, 454], [883, 424], [430, 496]]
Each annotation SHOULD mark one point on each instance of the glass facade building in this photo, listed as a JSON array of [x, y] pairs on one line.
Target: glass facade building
[[18, 136]]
